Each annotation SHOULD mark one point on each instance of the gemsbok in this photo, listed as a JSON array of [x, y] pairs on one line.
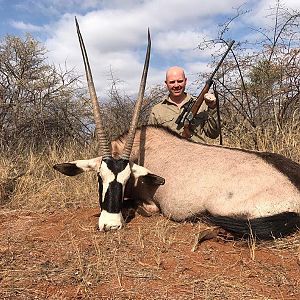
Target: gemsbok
[[244, 192]]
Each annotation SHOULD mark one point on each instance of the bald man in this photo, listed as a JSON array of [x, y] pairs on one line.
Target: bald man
[[167, 111]]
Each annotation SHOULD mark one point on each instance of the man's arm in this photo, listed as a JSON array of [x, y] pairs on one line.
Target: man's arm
[[205, 122], [211, 127]]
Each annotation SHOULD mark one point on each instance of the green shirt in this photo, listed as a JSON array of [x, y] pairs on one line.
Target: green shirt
[[165, 113]]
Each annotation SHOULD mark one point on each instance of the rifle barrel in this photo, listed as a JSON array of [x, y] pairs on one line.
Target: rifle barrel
[[221, 61], [188, 115]]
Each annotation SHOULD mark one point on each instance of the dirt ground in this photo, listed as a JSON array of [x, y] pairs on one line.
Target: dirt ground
[[61, 255]]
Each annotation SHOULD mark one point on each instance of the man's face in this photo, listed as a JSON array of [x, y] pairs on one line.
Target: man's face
[[176, 83]]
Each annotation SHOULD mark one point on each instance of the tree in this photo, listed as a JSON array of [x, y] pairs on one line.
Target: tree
[[118, 110], [39, 103], [259, 83]]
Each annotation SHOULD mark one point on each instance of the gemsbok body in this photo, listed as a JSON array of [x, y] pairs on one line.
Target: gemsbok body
[[244, 192]]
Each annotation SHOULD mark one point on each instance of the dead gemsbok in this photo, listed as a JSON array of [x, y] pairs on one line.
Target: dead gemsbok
[[244, 192]]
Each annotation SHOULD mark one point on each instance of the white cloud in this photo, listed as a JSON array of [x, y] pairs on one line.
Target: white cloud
[[107, 51], [264, 9], [55, 7], [177, 40], [181, 44], [27, 26], [115, 35]]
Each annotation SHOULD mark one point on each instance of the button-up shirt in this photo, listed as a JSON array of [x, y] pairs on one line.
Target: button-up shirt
[[204, 125]]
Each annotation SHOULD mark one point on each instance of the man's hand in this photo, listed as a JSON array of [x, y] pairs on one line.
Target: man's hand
[[210, 100]]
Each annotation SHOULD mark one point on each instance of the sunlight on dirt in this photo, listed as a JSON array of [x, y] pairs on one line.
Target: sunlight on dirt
[[61, 255]]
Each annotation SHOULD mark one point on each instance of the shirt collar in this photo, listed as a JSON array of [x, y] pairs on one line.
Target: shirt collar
[[167, 100]]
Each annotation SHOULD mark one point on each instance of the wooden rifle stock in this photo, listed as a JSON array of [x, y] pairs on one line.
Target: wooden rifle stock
[[193, 111], [187, 122]]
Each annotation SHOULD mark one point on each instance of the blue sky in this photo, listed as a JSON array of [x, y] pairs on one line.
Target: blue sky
[[115, 32]]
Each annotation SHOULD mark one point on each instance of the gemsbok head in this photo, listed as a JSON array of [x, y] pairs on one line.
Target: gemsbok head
[[113, 173]]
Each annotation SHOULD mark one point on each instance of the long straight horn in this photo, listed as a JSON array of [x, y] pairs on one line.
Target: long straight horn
[[138, 105], [103, 144]]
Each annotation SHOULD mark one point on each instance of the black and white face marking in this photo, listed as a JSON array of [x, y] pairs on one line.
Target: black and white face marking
[[112, 177]]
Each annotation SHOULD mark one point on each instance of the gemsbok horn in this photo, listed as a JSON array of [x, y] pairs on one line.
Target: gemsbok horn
[[113, 173]]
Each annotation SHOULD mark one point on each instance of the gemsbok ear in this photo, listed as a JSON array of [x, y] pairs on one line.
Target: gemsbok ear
[[79, 166], [69, 169], [153, 179], [145, 175]]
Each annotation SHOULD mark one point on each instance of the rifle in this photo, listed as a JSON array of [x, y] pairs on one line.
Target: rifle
[[186, 117]]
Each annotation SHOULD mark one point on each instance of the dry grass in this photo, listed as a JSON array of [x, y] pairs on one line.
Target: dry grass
[[50, 249], [28, 181], [285, 141], [37, 186]]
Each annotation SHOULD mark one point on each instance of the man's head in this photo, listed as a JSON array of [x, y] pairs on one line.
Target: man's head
[[176, 82]]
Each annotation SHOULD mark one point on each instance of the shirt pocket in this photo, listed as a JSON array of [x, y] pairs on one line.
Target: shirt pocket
[[167, 118]]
